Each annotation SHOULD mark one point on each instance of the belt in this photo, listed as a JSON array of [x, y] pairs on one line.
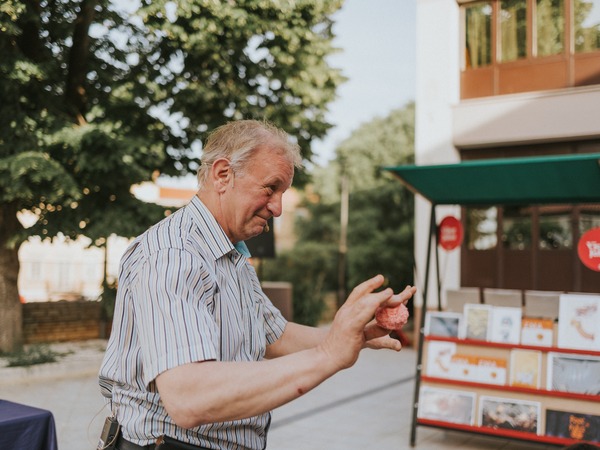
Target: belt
[[167, 444], [123, 444]]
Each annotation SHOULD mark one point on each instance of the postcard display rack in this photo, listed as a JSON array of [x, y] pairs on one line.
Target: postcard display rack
[[498, 370]]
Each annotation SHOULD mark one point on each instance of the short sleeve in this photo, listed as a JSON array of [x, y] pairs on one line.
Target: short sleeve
[[173, 322]]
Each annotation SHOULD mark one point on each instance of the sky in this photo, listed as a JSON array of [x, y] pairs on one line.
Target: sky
[[378, 40]]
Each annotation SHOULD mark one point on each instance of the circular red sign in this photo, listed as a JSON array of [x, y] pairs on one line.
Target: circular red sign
[[450, 233], [589, 249]]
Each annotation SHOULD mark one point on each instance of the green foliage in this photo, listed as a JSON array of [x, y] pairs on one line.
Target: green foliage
[[32, 355], [381, 235], [108, 298], [95, 98], [310, 267]]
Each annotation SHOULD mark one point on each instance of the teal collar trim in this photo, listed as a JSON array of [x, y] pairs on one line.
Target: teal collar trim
[[242, 248]]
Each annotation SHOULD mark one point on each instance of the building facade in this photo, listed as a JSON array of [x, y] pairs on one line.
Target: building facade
[[62, 269], [509, 78]]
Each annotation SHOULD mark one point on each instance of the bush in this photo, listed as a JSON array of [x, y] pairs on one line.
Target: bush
[[310, 268], [35, 354]]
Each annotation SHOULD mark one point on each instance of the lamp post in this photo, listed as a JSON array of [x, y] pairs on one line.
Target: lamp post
[[343, 246]]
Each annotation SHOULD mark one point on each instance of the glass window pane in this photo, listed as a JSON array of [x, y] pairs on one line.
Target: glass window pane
[[550, 27], [516, 228], [588, 220], [556, 232], [481, 227], [478, 33], [587, 25], [513, 30]]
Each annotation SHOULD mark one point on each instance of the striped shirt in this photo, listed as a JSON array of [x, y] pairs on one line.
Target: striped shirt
[[185, 295]]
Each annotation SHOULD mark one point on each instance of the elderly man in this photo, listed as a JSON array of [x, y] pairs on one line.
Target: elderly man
[[198, 356]]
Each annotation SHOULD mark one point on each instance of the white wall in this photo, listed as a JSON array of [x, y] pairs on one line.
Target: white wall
[[437, 92], [529, 117]]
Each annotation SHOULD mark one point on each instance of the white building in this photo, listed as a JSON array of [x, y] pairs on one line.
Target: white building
[[500, 79]]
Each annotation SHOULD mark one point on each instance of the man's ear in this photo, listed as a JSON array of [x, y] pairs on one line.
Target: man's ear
[[221, 174]]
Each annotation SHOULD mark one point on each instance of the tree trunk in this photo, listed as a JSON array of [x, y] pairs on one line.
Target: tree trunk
[[11, 322]]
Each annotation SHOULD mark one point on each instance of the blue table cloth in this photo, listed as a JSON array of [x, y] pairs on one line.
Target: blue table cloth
[[26, 428]]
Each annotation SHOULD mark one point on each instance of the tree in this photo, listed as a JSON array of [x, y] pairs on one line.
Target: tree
[[94, 99]]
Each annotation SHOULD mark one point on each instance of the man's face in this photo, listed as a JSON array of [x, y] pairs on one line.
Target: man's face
[[577, 427], [254, 196]]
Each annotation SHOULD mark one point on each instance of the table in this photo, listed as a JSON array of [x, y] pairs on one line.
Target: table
[[26, 428]]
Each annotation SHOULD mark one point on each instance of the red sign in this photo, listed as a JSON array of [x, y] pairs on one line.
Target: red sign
[[589, 249], [450, 233]]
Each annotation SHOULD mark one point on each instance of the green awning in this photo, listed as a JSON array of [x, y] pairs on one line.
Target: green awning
[[527, 180]]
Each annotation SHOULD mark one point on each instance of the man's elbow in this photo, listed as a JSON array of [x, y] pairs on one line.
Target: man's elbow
[[185, 415]]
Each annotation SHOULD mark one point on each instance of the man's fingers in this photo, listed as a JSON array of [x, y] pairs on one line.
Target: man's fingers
[[365, 287], [402, 297]]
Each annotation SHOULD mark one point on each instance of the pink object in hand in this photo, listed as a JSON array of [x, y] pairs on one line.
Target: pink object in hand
[[392, 318]]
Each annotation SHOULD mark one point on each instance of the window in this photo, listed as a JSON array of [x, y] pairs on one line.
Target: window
[[516, 228], [481, 227], [555, 232], [549, 27], [588, 220], [478, 27], [587, 25], [513, 30]]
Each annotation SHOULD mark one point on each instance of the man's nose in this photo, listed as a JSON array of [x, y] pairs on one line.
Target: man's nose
[[275, 205]]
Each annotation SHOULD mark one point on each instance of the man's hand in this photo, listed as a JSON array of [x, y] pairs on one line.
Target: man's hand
[[377, 337], [353, 326]]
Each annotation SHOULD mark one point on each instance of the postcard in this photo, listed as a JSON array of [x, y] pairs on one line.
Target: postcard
[[573, 373], [446, 405], [509, 414], [525, 368], [464, 367], [573, 425], [539, 332], [442, 323], [439, 355], [579, 321], [506, 325], [491, 370], [476, 322]]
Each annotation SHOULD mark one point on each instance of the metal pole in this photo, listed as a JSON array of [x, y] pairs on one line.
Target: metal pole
[[413, 428], [343, 245]]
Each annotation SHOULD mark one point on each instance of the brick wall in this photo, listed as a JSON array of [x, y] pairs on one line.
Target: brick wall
[[62, 321]]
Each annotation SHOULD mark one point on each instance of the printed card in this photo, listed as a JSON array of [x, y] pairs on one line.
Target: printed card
[[506, 325], [442, 323], [509, 414], [525, 368], [538, 332], [439, 355], [573, 425], [447, 405], [573, 373], [476, 323], [579, 321], [491, 370]]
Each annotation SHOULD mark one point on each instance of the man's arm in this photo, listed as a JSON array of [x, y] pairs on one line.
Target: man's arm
[[211, 391], [298, 337]]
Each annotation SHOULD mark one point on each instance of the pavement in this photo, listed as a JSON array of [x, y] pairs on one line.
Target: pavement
[[368, 406]]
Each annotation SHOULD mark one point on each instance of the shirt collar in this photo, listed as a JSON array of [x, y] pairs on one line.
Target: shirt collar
[[218, 242], [242, 248]]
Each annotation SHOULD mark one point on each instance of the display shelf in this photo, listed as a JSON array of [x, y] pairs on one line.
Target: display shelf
[[510, 434], [513, 346], [506, 387], [547, 400]]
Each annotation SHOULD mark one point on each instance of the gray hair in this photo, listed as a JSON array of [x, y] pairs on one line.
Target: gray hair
[[238, 140]]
